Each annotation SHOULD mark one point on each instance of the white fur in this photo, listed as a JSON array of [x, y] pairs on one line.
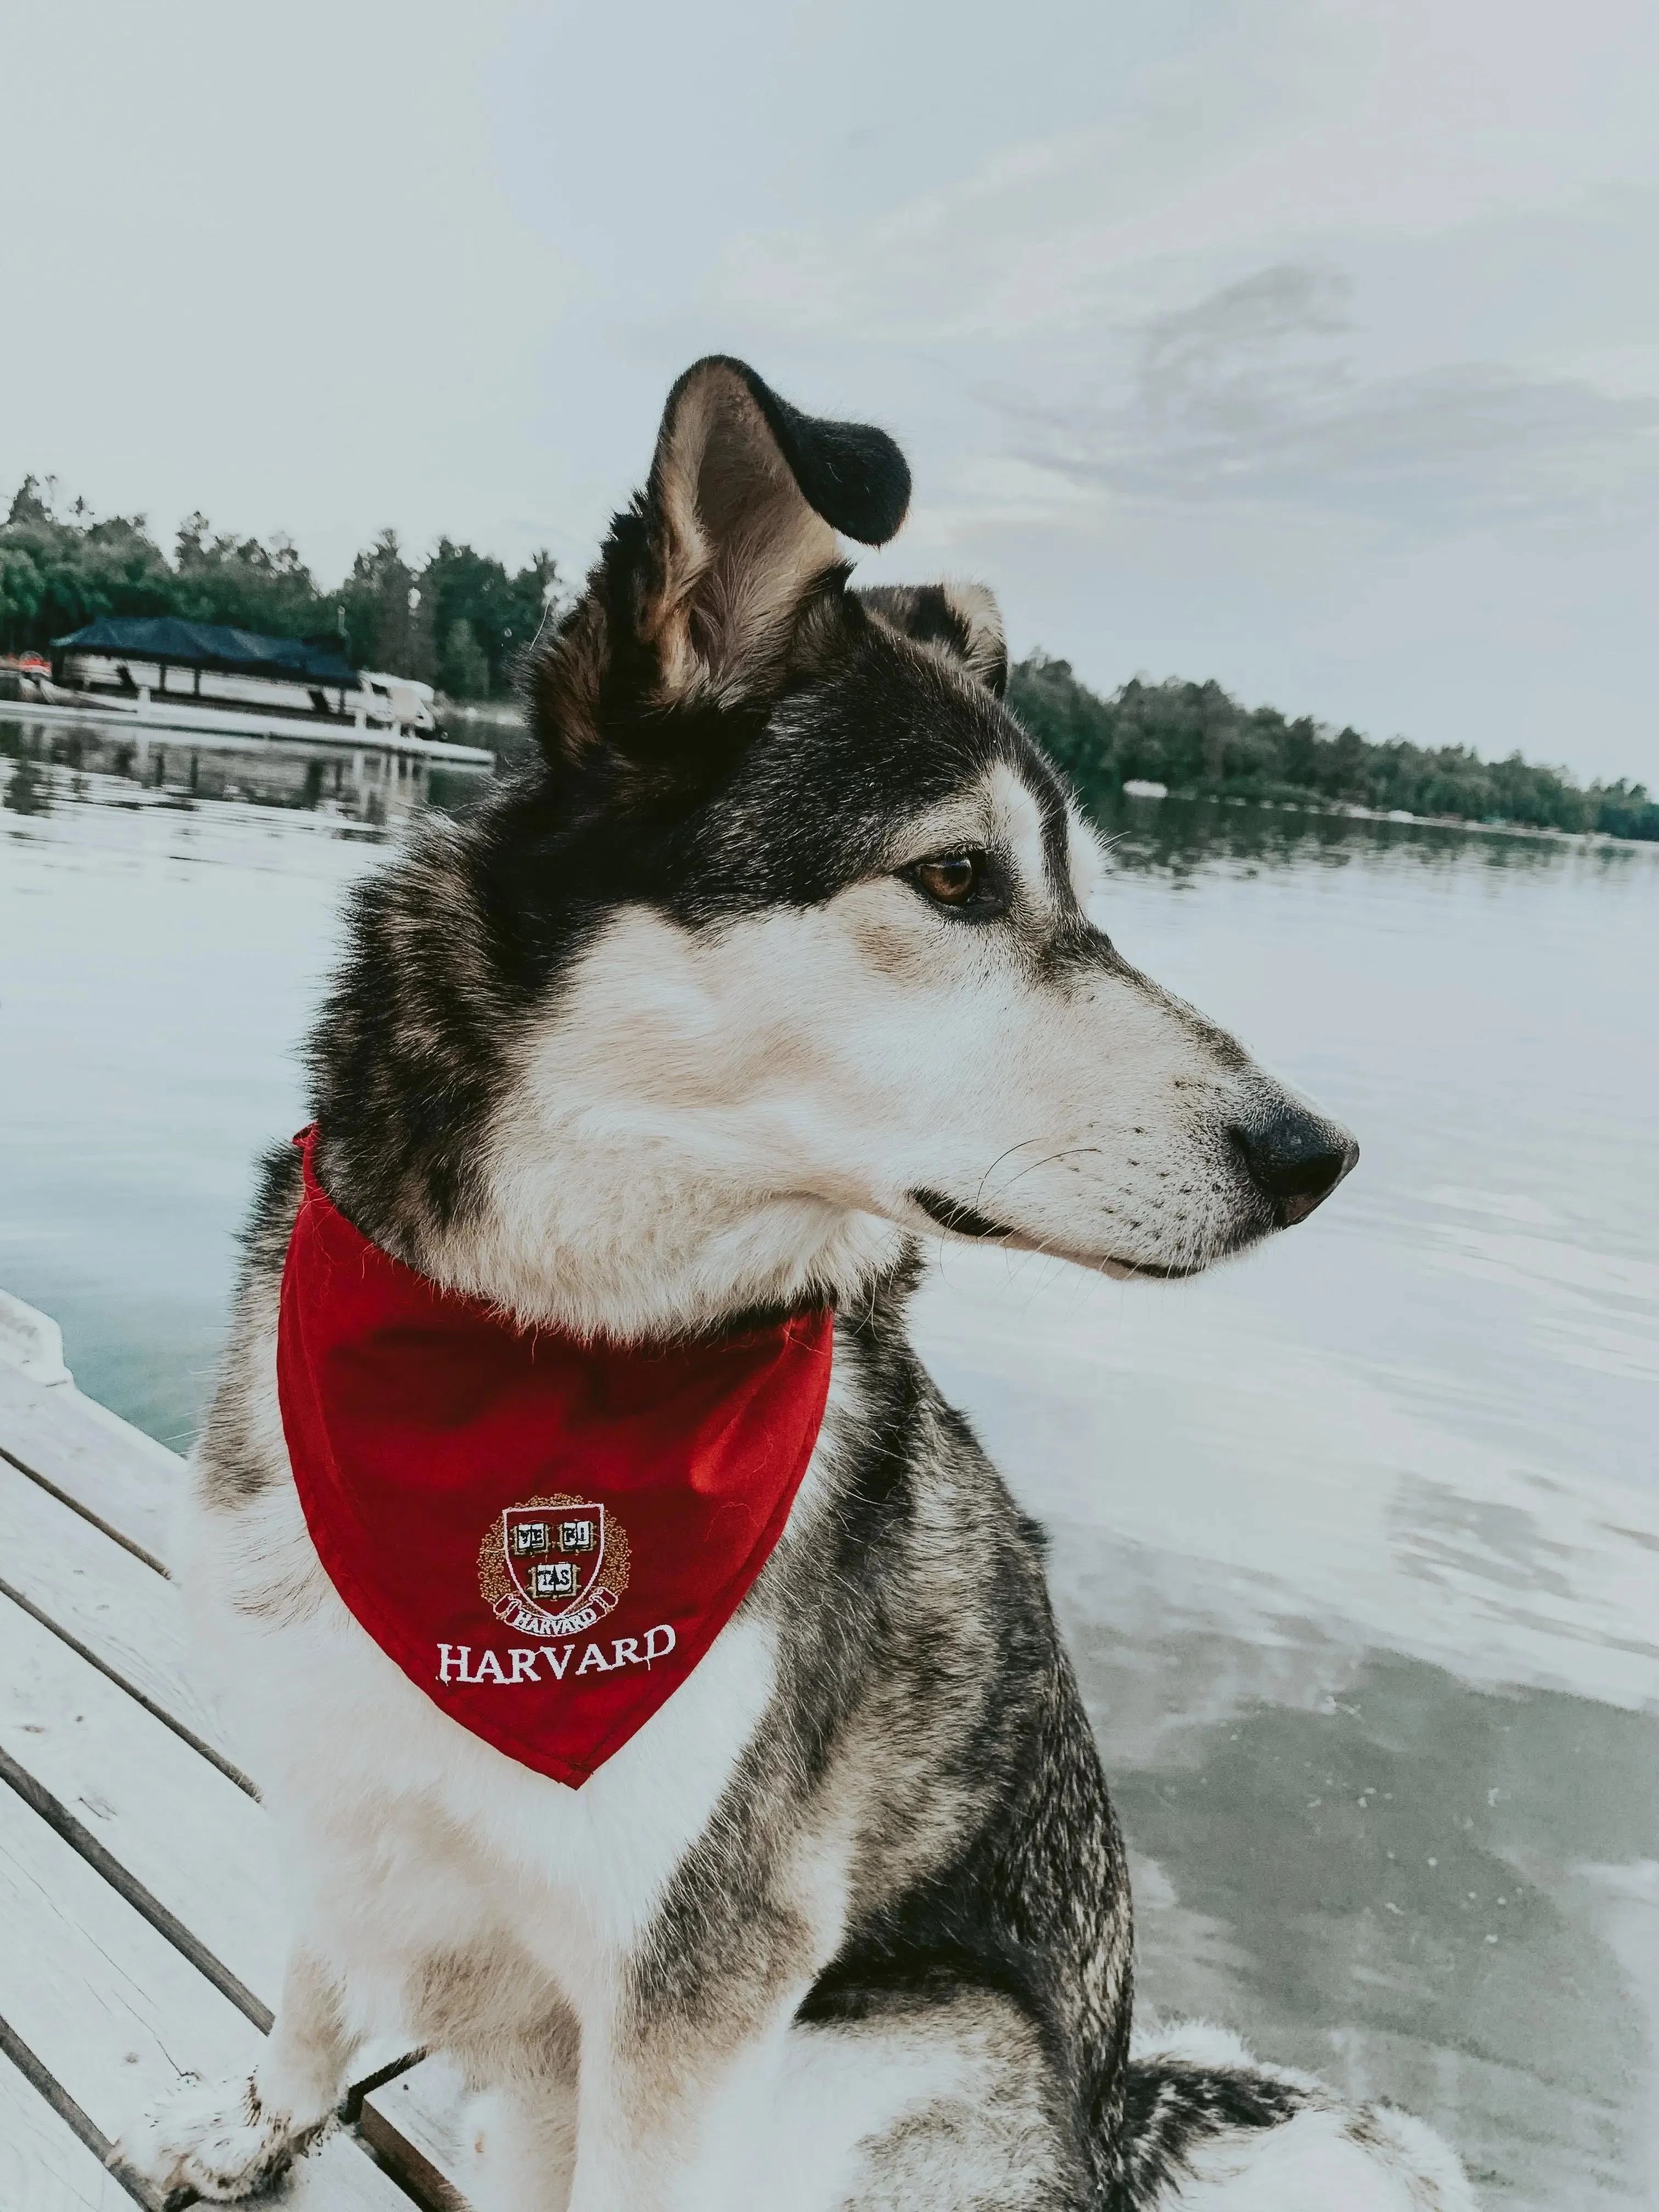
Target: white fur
[[371, 1772], [1314, 2164], [215, 2137], [704, 1121], [1317, 2162], [730, 1115], [407, 1839], [792, 2135]]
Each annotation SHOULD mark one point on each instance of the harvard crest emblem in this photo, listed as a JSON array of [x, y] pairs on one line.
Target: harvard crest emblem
[[553, 1566]]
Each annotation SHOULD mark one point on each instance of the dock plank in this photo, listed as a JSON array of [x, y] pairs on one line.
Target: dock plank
[[175, 1825], [115, 2014], [106, 1469], [185, 1839], [194, 1852], [124, 1614], [416, 2123], [83, 1691], [44, 2165]]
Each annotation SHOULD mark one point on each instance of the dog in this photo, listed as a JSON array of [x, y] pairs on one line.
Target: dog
[[778, 962]]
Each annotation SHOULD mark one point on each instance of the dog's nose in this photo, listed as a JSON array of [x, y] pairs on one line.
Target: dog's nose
[[1294, 1158]]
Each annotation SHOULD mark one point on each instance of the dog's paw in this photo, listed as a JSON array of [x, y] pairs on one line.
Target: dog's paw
[[215, 2137]]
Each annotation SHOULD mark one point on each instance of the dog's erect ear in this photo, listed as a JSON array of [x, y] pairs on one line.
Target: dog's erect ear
[[963, 619], [699, 597], [746, 496]]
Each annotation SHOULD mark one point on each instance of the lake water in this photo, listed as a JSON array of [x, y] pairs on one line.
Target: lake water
[[1357, 1543]]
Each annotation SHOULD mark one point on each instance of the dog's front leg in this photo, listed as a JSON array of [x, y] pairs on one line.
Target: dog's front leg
[[673, 2119], [225, 2139]]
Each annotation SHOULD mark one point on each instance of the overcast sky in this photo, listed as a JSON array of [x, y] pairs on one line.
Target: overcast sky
[[1313, 344]]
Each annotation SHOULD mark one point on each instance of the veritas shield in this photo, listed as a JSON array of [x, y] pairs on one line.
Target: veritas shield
[[553, 1553]]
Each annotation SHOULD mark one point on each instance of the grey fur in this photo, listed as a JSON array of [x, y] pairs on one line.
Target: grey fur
[[924, 1742]]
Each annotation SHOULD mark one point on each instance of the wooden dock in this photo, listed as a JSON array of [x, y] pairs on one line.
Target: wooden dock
[[140, 1936]]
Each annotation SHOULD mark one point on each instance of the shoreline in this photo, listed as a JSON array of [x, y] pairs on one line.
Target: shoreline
[[1397, 816], [499, 716]]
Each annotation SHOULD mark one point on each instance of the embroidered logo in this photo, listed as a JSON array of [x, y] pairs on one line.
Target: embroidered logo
[[553, 1566]]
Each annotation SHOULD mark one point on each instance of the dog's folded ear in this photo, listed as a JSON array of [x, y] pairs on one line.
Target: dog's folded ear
[[850, 473], [746, 496], [962, 619], [697, 600]]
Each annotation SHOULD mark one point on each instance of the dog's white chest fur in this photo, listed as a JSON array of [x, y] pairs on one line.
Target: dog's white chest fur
[[383, 1797]]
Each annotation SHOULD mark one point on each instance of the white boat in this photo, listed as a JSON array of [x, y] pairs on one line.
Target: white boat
[[207, 678]]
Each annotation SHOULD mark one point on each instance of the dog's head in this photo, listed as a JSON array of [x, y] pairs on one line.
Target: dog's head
[[820, 961]]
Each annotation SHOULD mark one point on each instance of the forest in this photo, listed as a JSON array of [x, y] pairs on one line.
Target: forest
[[1199, 742], [458, 619]]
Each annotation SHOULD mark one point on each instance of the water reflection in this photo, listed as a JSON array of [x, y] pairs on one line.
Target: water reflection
[[1186, 838], [129, 762], [1357, 1544], [1417, 1887]]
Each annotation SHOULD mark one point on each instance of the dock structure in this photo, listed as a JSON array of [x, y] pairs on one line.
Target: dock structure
[[141, 1935]]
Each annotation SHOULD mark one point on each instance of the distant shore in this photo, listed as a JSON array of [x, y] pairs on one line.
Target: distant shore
[[1195, 741], [456, 618], [53, 766], [1333, 811]]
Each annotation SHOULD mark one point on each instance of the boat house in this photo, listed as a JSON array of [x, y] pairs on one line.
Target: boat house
[[155, 664], [208, 710]]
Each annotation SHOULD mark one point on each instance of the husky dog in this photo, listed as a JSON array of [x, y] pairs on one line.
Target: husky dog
[[778, 961]]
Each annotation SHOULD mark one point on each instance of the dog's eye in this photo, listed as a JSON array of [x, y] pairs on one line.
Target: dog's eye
[[952, 878]]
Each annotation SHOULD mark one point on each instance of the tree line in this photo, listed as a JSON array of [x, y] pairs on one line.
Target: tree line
[[1197, 741], [456, 619], [459, 620]]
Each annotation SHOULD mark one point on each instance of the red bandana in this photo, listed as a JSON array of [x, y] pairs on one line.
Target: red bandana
[[546, 1535]]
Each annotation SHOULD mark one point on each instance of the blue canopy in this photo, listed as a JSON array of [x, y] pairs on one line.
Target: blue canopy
[[210, 645]]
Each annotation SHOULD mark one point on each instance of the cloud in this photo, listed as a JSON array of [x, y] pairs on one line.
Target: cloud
[[1269, 127], [1216, 356], [1211, 331], [1246, 396]]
